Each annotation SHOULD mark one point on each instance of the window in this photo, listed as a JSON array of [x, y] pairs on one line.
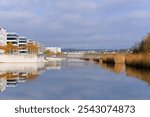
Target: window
[[11, 38]]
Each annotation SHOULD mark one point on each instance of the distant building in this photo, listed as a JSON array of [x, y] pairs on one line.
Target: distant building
[[54, 49], [3, 38], [41, 48], [30, 41]]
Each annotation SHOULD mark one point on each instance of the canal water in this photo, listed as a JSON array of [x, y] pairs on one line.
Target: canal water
[[72, 79]]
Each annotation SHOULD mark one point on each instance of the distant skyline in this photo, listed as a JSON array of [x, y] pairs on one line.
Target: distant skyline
[[80, 24]]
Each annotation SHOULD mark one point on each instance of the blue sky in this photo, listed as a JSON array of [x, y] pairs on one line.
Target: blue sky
[[78, 23]]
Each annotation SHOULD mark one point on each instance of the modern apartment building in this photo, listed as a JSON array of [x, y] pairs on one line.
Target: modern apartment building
[[3, 38], [13, 38], [22, 43], [30, 41], [41, 48]]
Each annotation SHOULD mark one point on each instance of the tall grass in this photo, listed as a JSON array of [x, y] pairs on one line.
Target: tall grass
[[141, 60], [119, 58], [116, 58], [108, 58]]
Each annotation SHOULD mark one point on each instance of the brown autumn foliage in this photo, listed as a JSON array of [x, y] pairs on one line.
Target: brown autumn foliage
[[116, 58], [10, 48], [141, 54], [32, 48], [119, 58], [138, 60], [143, 46], [108, 58]]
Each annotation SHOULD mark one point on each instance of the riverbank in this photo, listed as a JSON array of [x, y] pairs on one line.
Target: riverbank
[[141, 60]]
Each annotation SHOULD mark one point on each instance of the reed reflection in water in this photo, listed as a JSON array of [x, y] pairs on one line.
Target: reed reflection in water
[[141, 74], [116, 68]]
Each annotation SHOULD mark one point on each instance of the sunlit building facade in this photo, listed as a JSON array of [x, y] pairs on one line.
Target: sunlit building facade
[[22, 43], [3, 38], [13, 38], [12, 43]]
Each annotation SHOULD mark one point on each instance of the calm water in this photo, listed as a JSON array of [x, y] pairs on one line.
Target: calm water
[[72, 79]]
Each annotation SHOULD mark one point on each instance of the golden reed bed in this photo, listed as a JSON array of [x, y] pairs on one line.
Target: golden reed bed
[[116, 58], [141, 60]]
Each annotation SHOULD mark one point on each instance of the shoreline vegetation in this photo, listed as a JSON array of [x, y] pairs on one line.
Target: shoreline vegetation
[[138, 58]]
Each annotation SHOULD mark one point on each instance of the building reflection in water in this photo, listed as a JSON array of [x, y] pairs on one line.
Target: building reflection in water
[[141, 74], [11, 74]]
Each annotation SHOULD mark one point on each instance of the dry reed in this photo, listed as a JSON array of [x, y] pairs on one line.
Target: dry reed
[[116, 58], [141, 60]]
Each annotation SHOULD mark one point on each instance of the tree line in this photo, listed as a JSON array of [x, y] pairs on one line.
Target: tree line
[[143, 46]]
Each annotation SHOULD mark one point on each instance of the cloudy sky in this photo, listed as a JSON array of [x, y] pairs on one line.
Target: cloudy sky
[[78, 23]]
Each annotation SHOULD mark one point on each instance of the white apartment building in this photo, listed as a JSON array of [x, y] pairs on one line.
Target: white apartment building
[[54, 49], [3, 38], [13, 38], [41, 48], [30, 41], [22, 42]]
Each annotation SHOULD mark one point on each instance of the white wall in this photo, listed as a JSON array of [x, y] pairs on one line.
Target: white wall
[[4, 58]]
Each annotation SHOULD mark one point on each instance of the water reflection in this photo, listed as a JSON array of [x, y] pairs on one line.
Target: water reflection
[[11, 74], [116, 68], [75, 63], [141, 74], [71, 79]]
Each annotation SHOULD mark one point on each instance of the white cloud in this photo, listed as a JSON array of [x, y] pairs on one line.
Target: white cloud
[[76, 21]]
